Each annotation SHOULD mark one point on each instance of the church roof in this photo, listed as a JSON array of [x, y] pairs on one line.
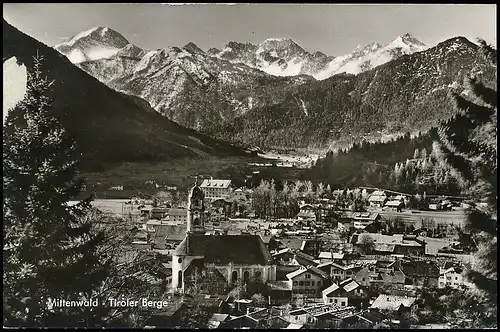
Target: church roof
[[224, 249]]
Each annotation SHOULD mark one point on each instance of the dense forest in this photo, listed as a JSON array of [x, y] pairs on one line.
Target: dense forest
[[406, 164]]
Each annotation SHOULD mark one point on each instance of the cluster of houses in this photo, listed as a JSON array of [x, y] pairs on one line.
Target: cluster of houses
[[307, 279]]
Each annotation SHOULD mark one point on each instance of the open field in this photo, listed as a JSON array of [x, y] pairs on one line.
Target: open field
[[179, 173]]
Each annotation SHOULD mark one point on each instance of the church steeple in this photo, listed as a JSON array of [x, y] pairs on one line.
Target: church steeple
[[196, 209]]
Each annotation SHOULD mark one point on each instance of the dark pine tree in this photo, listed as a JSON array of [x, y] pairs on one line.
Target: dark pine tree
[[468, 145], [50, 247]]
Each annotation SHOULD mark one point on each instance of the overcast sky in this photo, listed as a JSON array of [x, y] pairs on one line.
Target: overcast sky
[[332, 29]]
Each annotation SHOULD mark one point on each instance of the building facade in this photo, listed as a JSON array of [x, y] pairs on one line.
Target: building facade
[[216, 189]]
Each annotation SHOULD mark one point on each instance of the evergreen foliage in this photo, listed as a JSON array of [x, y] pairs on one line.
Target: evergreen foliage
[[51, 249], [468, 145]]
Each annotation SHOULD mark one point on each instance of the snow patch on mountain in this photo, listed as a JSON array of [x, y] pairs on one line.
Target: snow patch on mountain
[[304, 107], [15, 79], [371, 56], [76, 56], [101, 53]]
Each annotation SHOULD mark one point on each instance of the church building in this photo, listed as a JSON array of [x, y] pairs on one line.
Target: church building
[[223, 260]]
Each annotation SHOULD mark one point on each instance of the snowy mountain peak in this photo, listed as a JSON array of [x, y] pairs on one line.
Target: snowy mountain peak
[[407, 40], [93, 44], [192, 47], [279, 43], [96, 34]]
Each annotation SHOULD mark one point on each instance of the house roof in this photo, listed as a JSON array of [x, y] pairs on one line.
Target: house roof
[[172, 307], [394, 203], [219, 317], [210, 183], [361, 216], [349, 285], [306, 214], [420, 269], [238, 249], [177, 212], [304, 256], [330, 255], [175, 232], [392, 302], [371, 316], [384, 247], [346, 285], [294, 326], [292, 243], [378, 193], [303, 269], [377, 198], [332, 288]]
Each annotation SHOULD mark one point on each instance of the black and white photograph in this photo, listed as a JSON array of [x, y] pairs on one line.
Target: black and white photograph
[[249, 166]]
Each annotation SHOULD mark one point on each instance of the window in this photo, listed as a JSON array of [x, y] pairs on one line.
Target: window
[[308, 276], [179, 276], [456, 278], [295, 283], [306, 283], [179, 260], [312, 282], [246, 276], [234, 276], [342, 304], [301, 283], [331, 300], [336, 301]]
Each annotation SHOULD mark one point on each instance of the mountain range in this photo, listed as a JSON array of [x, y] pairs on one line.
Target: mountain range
[[277, 95], [200, 89], [110, 126]]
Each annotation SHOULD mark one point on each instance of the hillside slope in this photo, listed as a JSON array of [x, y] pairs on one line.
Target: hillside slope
[[109, 126]]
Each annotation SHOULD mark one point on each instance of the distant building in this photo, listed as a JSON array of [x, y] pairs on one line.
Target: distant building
[[393, 244], [394, 303], [158, 213], [362, 219], [178, 215], [346, 293], [307, 281], [395, 205], [451, 275], [216, 189], [339, 272], [421, 273], [377, 198]]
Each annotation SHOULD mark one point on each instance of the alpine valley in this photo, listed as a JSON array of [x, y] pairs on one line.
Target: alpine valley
[[278, 95]]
